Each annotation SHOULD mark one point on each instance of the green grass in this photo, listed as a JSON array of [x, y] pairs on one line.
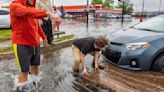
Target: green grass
[[64, 38], [6, 49], [5, 34]]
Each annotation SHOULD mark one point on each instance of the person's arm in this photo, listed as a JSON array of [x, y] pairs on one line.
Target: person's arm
[[83, 63], [97, 57], [23, 11], [6, 6]]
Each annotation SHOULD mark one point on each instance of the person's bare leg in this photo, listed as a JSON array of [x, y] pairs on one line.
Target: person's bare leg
[[55, 28], [76, 55], [58, 28], [34, 70], [23, 77]]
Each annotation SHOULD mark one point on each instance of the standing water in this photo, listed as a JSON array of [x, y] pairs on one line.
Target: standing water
[[56, 66]]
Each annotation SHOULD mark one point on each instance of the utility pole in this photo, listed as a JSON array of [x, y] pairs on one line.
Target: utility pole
[[122, 17], [160, 6], [143, 4], [123, 10], [52, 1], [87, 12]]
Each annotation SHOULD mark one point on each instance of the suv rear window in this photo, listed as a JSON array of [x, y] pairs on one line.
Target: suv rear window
[[3, 12]]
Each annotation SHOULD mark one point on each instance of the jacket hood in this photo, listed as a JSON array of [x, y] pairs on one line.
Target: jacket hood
[[23, 2]]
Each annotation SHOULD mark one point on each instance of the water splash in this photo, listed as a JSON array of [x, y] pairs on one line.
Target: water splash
[[32, 85]]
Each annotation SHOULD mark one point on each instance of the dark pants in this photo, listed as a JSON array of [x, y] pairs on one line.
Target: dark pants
[[47, 28], [26, 56]]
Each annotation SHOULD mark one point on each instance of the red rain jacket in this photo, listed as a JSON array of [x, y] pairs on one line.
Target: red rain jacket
[[25, 26]]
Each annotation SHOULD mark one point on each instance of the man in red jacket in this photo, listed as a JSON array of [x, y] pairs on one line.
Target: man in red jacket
[[26, 34]]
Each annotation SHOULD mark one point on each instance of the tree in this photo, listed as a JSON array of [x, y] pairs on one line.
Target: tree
[[96, 2], [128, 8], [108, 4]]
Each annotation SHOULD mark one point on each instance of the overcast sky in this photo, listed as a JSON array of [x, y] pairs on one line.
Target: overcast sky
[[150, 5]]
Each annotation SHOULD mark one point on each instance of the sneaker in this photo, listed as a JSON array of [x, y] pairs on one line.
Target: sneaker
[[21, 87]]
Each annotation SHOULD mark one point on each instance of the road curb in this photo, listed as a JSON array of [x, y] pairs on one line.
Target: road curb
[[54, 46]]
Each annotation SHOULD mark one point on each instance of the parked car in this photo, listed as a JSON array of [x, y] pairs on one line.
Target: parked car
[[125, 16], [102, 15], [110, 16], [68, 16], [4, 18], [140, 47]]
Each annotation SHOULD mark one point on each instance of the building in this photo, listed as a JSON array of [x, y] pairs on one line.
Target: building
[[80, 10]]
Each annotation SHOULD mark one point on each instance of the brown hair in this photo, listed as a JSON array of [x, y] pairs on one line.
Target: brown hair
[[101, 42], [54, 7]]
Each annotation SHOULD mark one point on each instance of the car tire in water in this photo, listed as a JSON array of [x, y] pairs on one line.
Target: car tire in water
[[159, 64]]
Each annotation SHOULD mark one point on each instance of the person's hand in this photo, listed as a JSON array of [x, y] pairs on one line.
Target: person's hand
[[84, 72], [96, 67], [45, 43], [53, 16]]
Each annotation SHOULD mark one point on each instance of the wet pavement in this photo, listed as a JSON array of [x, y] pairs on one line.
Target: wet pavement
[[95, 27], [56, 68], [56, 74], [121, 80]]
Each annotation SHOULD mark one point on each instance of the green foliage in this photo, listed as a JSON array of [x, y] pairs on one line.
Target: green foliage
[[108, 4], [96, 2], [64, 38], [5, 34], [128, 8], [6, 49]]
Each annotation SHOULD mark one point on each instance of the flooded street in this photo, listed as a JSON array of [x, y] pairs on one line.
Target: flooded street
[[56, 68], [56, 74], [95, 27]]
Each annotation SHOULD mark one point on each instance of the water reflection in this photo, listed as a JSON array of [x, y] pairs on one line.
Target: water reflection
[[56, 65], [96, 27]]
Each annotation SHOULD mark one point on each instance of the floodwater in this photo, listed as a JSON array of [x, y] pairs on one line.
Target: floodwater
[[55, 73], [56, 67], [95, 26]]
